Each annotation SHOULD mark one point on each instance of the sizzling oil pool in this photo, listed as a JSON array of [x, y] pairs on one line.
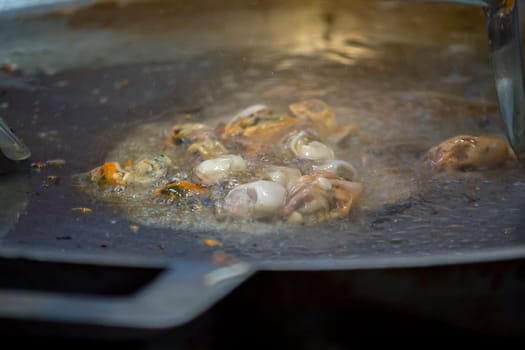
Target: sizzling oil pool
[[395, 127]]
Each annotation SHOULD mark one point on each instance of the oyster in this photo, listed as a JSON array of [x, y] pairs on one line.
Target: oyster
[[304, 147], [465, 152], [323, 195], [259, 199], [281, 174], [217, 169], [316, 111]]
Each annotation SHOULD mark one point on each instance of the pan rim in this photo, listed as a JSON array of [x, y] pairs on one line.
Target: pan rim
[[352, 262]]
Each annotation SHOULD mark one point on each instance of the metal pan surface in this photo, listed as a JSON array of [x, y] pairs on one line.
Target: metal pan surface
[[77, 82]]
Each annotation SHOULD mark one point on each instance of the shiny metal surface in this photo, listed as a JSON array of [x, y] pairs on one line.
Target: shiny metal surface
[[505, 40], [69, 103]]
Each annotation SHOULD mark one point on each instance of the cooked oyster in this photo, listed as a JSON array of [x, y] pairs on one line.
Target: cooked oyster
[[214, 170], [337, 167], [281, 174], [259, 199], [321, 194], [258, 124], [465, 152], [315, 111], [302, 145]]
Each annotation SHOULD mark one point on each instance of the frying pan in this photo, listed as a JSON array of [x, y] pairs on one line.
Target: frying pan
[[82, 78]]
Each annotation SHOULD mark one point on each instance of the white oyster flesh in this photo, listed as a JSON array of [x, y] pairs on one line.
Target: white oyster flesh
[[259, 199], [282, 175], [214, 170]]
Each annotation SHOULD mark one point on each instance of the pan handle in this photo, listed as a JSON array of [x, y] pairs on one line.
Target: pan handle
[[174, 296]]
